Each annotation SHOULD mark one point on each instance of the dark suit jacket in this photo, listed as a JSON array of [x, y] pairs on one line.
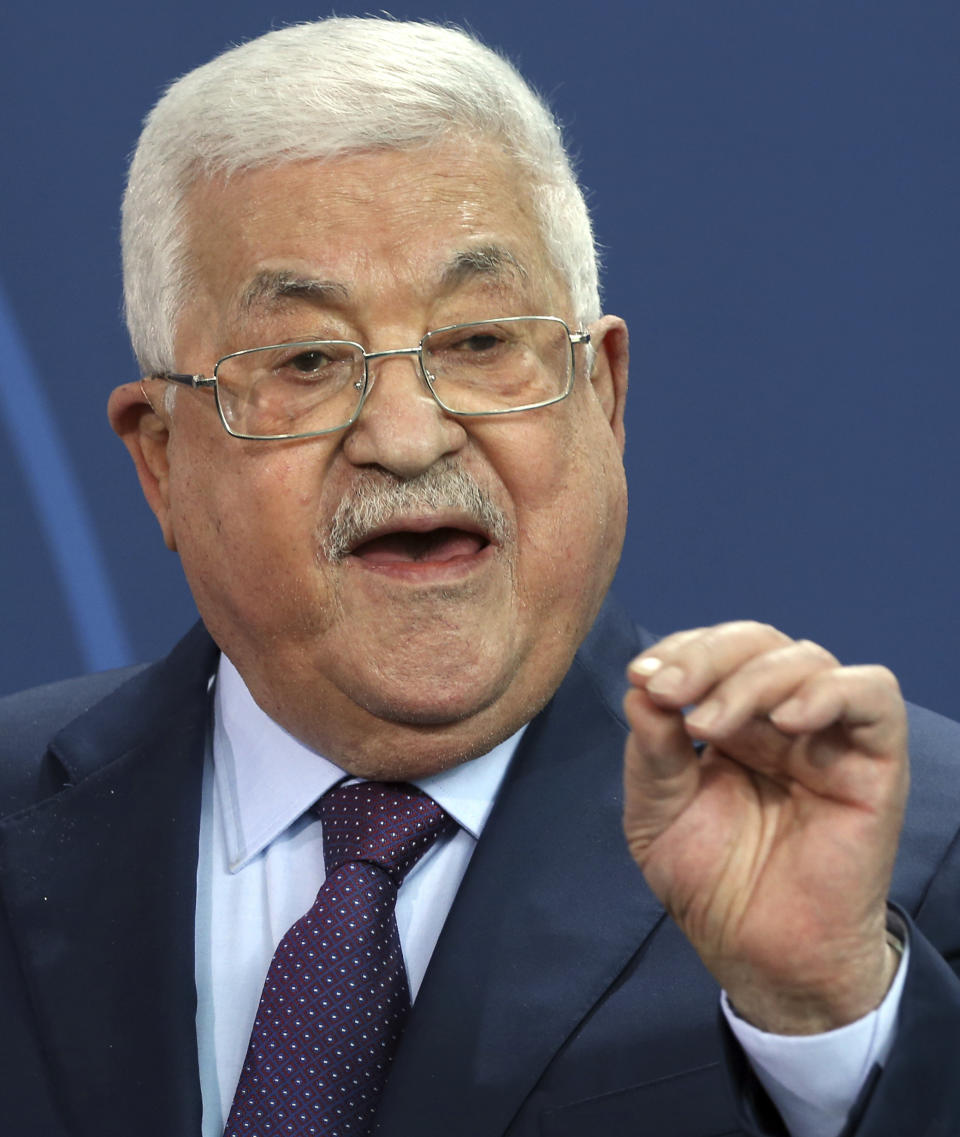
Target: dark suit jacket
[[561, 1000]]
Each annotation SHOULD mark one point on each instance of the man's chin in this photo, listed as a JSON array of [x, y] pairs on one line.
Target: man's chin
[[403, 765], [416, 738], [429, 714]]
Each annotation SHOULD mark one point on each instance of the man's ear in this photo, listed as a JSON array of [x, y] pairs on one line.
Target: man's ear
[[611, 344], [145, 431]]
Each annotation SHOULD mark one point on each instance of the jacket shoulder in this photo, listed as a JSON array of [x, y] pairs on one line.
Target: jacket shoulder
[[43, 710], [30, 719], [58, 734]]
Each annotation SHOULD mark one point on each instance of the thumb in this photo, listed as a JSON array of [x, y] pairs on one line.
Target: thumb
[[661, 771]]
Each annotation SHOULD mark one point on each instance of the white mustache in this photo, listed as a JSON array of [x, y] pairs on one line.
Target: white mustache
[[377, 500]]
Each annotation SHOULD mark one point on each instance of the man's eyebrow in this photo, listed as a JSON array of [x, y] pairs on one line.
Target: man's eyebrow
[[493, 261], [270, 286]]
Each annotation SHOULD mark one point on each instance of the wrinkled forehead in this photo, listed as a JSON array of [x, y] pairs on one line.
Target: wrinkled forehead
[[443, 218], [485, 268]]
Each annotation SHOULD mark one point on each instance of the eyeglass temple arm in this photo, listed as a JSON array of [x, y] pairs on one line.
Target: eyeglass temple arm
[[186, 380]]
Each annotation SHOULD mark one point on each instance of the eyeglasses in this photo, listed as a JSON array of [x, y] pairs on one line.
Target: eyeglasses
[[313, 387]]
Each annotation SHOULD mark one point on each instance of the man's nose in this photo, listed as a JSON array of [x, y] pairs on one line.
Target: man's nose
[[401, 427]]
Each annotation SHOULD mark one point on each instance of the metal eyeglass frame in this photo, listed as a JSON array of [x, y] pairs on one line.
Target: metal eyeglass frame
[[201, 381]]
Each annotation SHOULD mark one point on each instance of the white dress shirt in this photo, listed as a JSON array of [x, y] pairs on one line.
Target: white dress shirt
[[261, 863]]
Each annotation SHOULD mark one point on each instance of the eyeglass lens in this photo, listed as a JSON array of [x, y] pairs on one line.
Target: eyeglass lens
[[316, 386]]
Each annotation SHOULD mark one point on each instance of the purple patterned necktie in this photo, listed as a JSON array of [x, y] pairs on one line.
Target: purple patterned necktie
[[336, 997]]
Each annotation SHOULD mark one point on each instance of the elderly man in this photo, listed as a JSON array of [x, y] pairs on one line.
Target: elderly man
[[381, 422]]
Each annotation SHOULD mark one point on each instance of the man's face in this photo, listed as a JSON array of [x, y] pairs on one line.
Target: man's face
[[442, 631]]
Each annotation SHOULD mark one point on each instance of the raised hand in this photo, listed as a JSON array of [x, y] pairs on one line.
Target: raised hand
[[772, 847]]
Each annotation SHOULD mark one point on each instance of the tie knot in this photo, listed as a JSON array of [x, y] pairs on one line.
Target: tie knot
[[389, 824]]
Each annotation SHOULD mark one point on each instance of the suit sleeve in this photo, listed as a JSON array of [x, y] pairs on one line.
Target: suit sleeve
[[917, 1092]]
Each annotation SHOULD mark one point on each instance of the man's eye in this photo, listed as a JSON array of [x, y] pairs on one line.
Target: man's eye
[[477, 343], [308, 362], [481, 343]]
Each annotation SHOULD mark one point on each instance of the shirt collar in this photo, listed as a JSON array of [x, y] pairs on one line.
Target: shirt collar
[[266, 779]]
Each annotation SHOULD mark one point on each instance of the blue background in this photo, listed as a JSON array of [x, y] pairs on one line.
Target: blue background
[[775, 184]]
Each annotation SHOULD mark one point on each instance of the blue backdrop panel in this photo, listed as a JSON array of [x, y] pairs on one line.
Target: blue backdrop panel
[[775, 186]]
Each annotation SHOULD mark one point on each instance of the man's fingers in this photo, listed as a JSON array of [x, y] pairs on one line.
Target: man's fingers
[[827, 732], [661, 772], [733, 672], [757, 687], [865, 700], [683, 668], [783, 709]]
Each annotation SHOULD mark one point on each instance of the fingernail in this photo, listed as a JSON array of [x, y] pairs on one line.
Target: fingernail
[[646, 665], [668, 681], [703, 717]]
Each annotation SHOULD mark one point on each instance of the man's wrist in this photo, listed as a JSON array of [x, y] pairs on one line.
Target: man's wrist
[[845, 995], [815, 1079]]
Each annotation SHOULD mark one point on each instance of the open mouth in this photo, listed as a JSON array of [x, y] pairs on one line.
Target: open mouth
[[432, 546]]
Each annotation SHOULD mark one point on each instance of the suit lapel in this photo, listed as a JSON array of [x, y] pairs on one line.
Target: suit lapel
[[99, 881], [550, 912]]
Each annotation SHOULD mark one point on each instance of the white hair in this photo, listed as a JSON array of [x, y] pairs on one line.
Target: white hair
[[319, 90]]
